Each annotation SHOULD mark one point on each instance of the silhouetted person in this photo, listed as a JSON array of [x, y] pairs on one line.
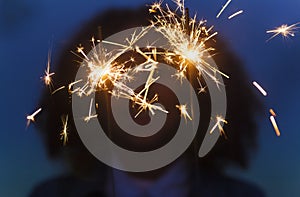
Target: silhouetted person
[[189, 175]]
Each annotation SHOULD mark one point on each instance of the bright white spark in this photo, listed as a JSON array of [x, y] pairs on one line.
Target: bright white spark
[[223, 8], [235, 14], [30, 118], [260, 88], [284, 30], [275, 126]]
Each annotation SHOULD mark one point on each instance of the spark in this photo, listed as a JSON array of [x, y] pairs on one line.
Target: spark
[[47, 77], [202, 88], [30, 118], [223, 8], [260, 88], [71, 85], [235, 14], [64, 133], [218, 125], [184, 112], [58, 89], [284, 30], [275, 126], [272, 112], [90, 116]]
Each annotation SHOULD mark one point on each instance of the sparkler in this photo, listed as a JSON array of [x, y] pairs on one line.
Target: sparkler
[[187, 38], [285, 30], [30, 118]]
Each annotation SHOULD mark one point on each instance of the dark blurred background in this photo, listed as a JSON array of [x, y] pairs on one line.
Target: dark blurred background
[[29, 28]]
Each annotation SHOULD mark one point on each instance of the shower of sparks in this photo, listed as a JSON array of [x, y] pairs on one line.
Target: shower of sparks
[[235, 14], [47, 77], [273, 121], [187, 38], [223, 8], [103, 69], [90, 116], [30, 118], [183, 112], [284, 30], [64, 133], [219, 126], [260, 88]]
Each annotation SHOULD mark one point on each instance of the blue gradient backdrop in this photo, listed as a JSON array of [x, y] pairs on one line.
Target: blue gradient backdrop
[[27, 29]]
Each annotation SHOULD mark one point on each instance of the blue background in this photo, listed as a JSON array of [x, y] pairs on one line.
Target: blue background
[[27, 29]]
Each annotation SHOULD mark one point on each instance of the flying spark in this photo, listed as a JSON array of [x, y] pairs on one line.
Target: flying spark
[[272, 112], [284, 30], [260, 88], [58, 89], [235, 14], [30, 118], [275, 126], [223, 8]]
